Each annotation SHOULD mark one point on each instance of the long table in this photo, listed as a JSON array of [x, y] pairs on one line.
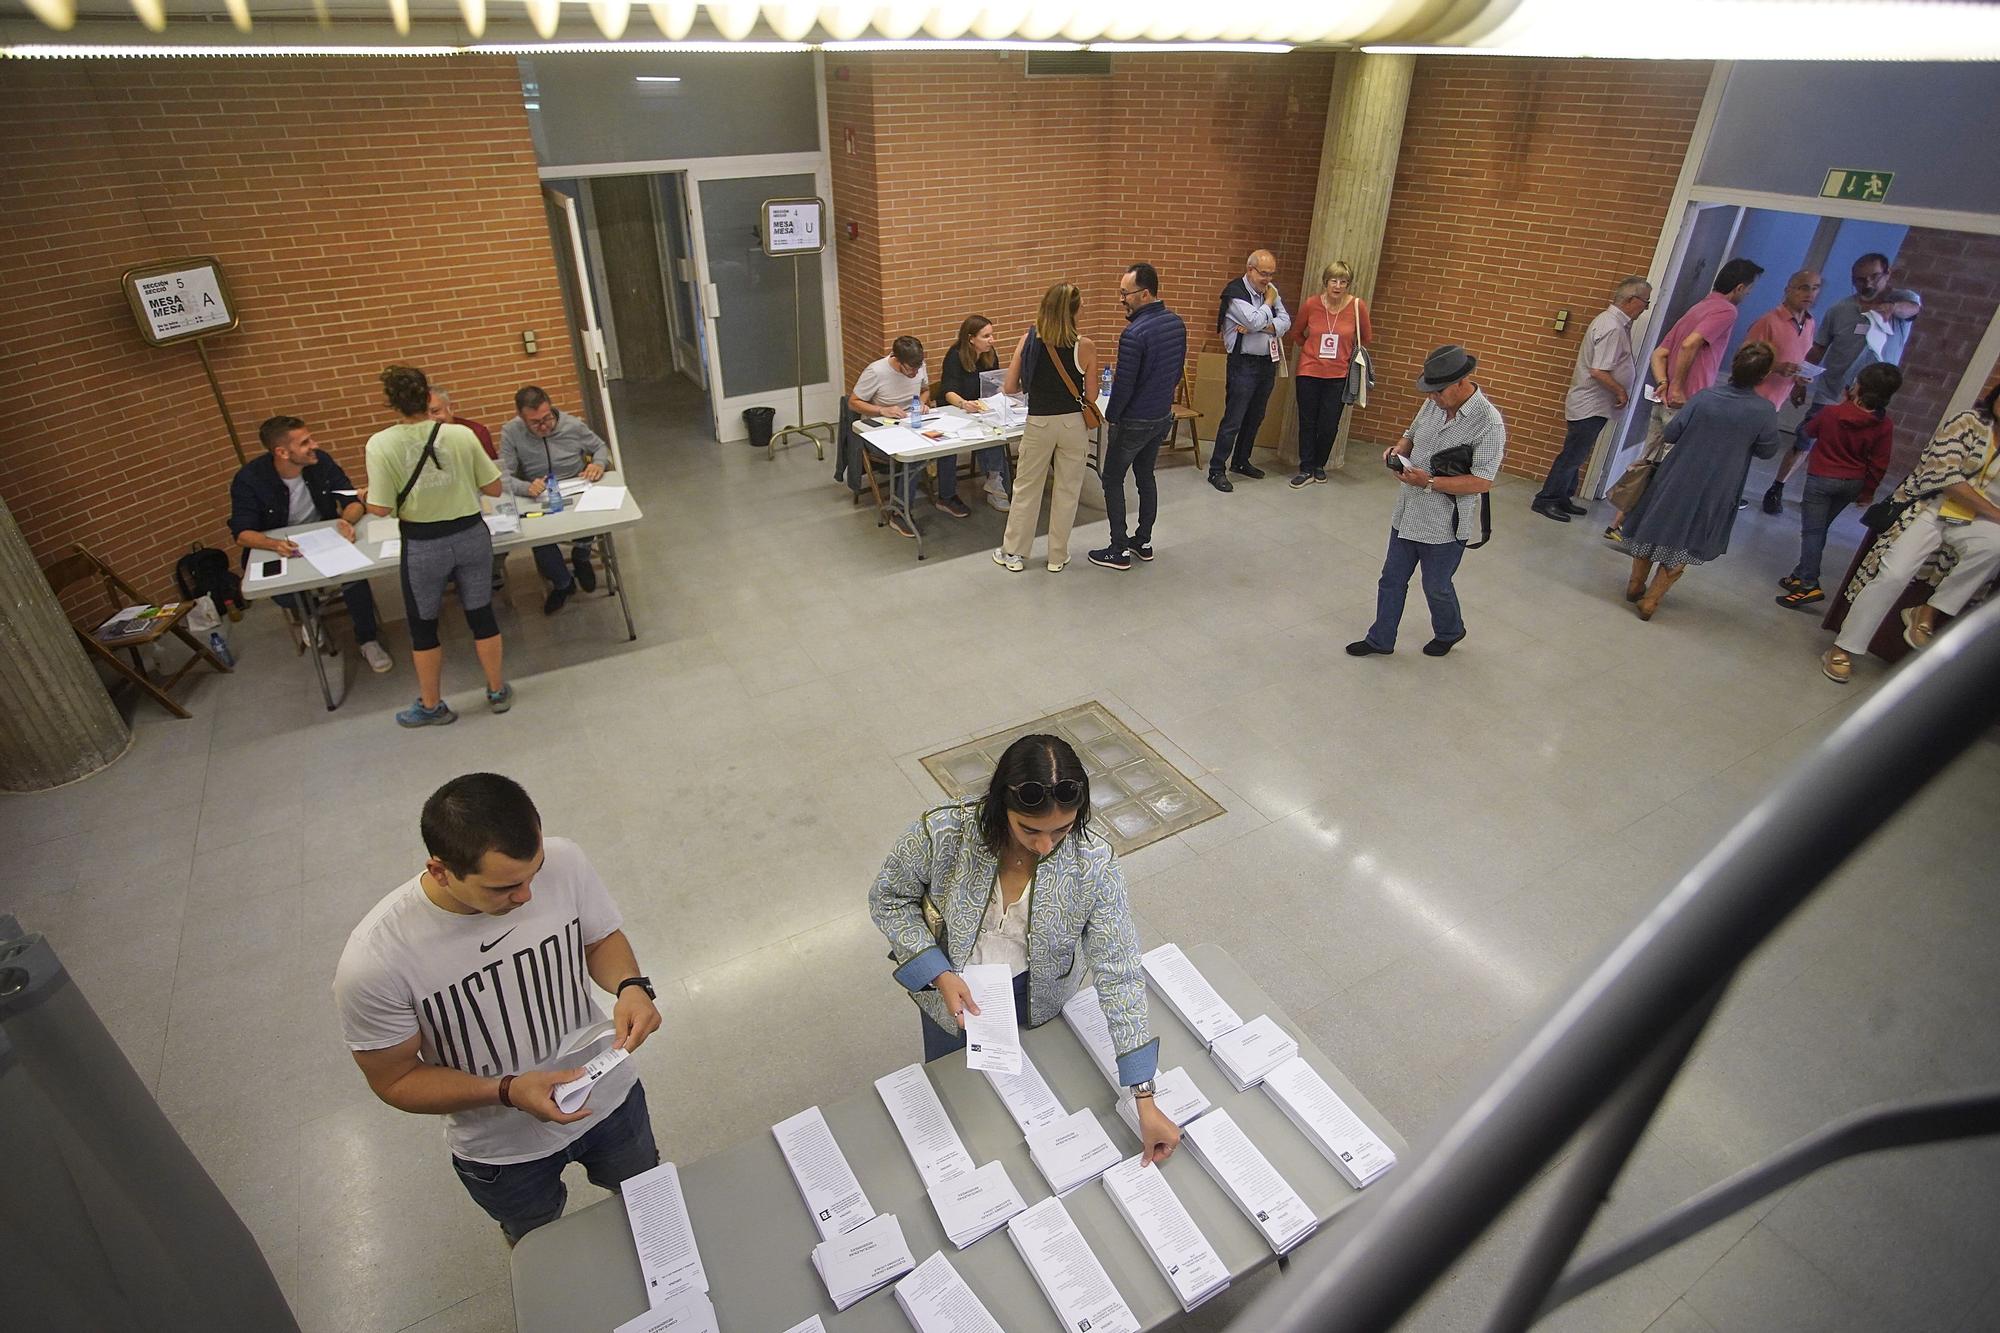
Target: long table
[[580, 1274], [300, 577]]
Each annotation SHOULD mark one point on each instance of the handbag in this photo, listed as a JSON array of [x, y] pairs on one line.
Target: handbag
[[1879, 517], [1457, 462], [1625, 492], [1092, 418]]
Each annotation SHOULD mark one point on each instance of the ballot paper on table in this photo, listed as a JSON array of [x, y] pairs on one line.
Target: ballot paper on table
[[926, 1131], [1250, 1180], [694, 1314], [976, 1204], [1027, 1097], [1072, 1279], [1309, 1102], [1252, 1051], [1180, 983], [501, 525], [896, 440], [669, 1259], [935, 1299], [391, 549], [1085, 1016], [827, 1184], [1073, 1151], [1163, 1225], [329, 552], [599, 499], [810, 1324], [569, 486], [1176, 1096], [860, 1262], [993, 1035], [570, 1095]]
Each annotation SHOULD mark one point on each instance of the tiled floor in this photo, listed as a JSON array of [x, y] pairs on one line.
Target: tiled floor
[[1415, 855]]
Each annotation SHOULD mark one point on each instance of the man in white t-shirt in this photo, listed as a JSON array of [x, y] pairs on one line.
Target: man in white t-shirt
[[466, 993], [885, 389]]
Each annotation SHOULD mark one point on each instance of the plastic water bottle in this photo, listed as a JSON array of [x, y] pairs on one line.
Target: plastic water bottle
[[552, 498], [916, 410], [220, 647], [1104, 382]]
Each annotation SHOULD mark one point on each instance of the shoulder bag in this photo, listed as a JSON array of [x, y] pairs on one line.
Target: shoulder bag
[[429, 455], [1092, 418]]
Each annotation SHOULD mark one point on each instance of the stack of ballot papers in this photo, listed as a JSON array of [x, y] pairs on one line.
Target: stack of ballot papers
[[810, 1324], [935, 1299], [692, 1314], [1248, 1053], [1331, 1125], [976, 1204], [926, 1131], [572, 486], [669, 1261], [1085, 1016], [1187, 992], [1027, 1097], [827, 1184], [1161, 1222], [858, 1263], [1072, 1151], [1248, 1178], [570, 1095], [1174, 1093], [1072, 1280], [600, 499], [992, 1036]]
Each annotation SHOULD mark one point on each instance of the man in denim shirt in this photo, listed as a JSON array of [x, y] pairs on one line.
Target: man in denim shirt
[[1152, 355], [1253, 322]]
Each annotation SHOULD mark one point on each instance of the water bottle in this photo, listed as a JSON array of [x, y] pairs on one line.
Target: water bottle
[[552, 499], [916, 410], [220, 647], [1104, 382]]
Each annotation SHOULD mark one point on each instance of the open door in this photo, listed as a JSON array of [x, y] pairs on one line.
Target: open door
[[586, 330]]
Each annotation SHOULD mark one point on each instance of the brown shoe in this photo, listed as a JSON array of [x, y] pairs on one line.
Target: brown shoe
[[1917, 632], [1663, 580], [1836, 666], [1635, 586]]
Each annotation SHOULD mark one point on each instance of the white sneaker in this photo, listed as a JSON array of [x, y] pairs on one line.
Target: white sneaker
[[996, 495], [1012, 563], [1058, 566], [377, 660]]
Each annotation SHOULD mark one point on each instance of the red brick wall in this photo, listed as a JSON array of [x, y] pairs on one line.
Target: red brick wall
[[1958, 274], [363, 210], [1524, 187]]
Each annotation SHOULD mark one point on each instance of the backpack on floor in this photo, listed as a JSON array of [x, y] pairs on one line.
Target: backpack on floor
[[205, 572]]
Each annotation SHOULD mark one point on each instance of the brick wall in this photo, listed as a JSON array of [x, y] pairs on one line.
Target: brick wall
[[363, 211], [1958, 274]]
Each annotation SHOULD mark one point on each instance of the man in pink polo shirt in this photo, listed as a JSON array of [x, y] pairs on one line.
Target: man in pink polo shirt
[[1789, 330]]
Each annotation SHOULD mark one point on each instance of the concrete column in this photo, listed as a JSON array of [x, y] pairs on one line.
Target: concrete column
[[57, 721], [1357, 169]]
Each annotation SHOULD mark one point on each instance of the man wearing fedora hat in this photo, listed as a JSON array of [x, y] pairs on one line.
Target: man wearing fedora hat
[[1435, 516]]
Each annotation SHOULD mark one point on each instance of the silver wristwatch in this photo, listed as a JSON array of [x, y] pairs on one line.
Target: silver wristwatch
[[1143, 1089]]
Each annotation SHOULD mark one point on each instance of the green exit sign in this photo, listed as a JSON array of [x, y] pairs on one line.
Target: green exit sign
[[1848, 183]]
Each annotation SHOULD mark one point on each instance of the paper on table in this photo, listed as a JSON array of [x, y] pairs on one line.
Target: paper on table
[[669, 1259], [896, 439], [935, 1299], [572, 486], [1253, 1050], [571, 1095], [329, 552], [833, 1196], [391, 549], [1163, 1225], [1027, 1097], [976, 1204], [993, 1035], [1187, 992], [1175, 1093], [863, 1260], [501, 525], [1072, 1151], [1072, 1279], [1248, 1178], [1085, 1016], [600, 498], [693, 1315], [1341, 1136], [812, 1323], [926, 1130]]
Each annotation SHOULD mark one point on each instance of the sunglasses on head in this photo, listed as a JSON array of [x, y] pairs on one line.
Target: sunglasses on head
[[1036, 795]]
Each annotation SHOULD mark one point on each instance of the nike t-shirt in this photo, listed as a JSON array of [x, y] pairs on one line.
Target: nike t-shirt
[[489, 995]]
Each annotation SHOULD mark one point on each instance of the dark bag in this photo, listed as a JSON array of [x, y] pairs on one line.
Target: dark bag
[[205, 572], [1879, 517], [1457, 462]]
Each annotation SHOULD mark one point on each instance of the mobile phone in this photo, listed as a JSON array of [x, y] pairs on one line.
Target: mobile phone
[[1395, 462], [270, 569]]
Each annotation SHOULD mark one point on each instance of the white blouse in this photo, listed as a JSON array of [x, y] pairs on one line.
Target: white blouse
[[1003, 935]]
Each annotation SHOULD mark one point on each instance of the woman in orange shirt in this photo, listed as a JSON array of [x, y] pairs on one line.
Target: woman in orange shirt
[[1329, 328]]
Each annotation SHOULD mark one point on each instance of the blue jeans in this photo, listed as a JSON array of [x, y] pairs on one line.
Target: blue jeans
[[1439, 561], [1246, 392], [1825, 497], [549, 560], [992, 460], [1560, 484], [360, 599], [938, 1043], [1132, 446], [521, 1196]]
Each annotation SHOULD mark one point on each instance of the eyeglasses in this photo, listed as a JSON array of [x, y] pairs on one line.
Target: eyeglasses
[[1266, 273], [1035, 795]]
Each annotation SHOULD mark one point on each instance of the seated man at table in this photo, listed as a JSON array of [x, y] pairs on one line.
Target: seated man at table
[[539, 443], [294, 483], [885, 389]]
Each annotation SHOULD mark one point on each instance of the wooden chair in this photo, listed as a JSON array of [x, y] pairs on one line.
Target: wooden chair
[[1185, 415], [82, 566]]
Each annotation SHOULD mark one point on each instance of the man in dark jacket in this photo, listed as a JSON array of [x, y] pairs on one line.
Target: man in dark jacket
[[295, 483], [1152, 356]]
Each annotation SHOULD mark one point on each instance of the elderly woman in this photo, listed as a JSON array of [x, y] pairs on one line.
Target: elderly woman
[[1017, 877], [1689, 508], [1330, 326]]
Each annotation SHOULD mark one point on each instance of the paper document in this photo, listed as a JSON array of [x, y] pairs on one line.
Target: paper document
[[1250, 1180], [586, 1037], [1187, 992], [1072, 1151], [1085, 1016], [1309, 1102], [391, 549], [864, 1260], [329, 552], [1163, 1225], [1072, 1279], [976, 1204], [935, 1299], [693, 1314], [1175, 1093], [571, 1095], [895, 440], [833, 1196], [811, 1325], [572, 486], [1252, 1051], [501, 525], [669, 1260], [1808, 371], [993, 1035], [1027, 1097], [258, 564], [600, 498], [926, 1130]]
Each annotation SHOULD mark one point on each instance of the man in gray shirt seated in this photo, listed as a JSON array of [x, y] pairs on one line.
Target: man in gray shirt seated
[[538, 443]]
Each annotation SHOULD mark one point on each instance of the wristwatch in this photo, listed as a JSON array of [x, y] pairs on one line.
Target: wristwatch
[[1144, 1089], [643, 983]]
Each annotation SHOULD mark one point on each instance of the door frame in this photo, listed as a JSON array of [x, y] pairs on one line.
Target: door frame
[[593, 331], [687, 355]]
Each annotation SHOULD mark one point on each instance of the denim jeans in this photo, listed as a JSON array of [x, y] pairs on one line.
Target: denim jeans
[[1560, 484], [992, 460], [1132, 446], [360, 599], [1824, 499], [1246, 393], [1439, 561], [1321, 405], [938, 1043], [521, 1196], [549, 560]]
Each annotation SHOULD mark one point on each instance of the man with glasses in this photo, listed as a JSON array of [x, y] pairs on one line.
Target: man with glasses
[[1253, 321], [1152, 356], [885, 389], [539, 443], [1600, 385]]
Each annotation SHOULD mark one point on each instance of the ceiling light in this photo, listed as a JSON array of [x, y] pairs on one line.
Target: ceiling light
[[672, 17], [57, 14], [152, 13], [139, 51], [656, 78], [952, 44], [610, 16], [475, 17], [633, 48], [1170, 48], [239, 13]]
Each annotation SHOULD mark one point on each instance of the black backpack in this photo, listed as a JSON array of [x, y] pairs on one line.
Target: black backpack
[[205, 572]]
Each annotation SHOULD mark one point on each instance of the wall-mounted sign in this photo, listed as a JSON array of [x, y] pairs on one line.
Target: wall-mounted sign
[[793, 226], [179, 300], [1870, 187]]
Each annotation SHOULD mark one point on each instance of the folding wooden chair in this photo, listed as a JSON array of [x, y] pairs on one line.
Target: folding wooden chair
[[71, 570], [1185, 415]]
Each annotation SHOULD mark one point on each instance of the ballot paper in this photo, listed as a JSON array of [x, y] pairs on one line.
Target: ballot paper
[[1027, 1097], [827, 1184], [1175, 1093], [571, 1095], [1330, 1123], [1252, 1051], [811, 1324], [1072, 1280], [501, 525], [863, 1261], [992, 1036], [694, 1314], [1085, 1016], [1249, 1179], [1073, 1151], [1187, 992], [935, 1299], [599, 498], [329, 552], [669, 1260], [896, 440], [927, 1132], [391, 549], [976, 1204], [569, 486], [1163, 1225]]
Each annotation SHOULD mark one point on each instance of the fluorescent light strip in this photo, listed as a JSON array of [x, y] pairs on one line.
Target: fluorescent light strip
[[636, 48], [656, 78], [147, 50], [1171, 48], [947, 44]]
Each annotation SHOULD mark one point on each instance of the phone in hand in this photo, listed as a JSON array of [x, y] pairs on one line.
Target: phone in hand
[[1395, 462]]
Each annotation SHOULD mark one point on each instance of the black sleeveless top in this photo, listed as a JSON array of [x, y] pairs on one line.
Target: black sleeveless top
[[1046, 395]]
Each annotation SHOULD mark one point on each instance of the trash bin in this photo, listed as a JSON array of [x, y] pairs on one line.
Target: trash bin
[[760, 421]]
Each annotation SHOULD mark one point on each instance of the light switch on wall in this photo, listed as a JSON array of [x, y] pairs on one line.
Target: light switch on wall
[[1562, 320], [528, 342]]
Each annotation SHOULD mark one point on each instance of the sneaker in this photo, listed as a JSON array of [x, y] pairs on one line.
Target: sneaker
[[1742, 503], [954, 506], [903, 526], [1790, 584], [1573, 509], [1250, 470], [586, 577], [1319, 476], [1614, 533], [1363, 648], [326, 644], [1013, 564], [1112, 557], [1915, 632], [377, 660], [1800, 598], [996, 495], [1301, 481], [502, 699], [1836, 666], [416, 715], [1221, 483], [1057, 567], [556, 598], [1144, 550], [1774, 500]]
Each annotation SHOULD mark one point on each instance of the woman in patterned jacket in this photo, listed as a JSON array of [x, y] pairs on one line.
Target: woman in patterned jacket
[[1018, 877]]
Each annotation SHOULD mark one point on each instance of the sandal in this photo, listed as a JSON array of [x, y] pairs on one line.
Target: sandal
[[1836, 666], [1916, 633], [1801, 598]]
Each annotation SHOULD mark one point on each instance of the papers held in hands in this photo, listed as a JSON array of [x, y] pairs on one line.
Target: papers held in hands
[[1250, 1180], [669, 1260], [1072, 1279], [863, 1261], [976, 1204], [935, 1299], [926, 1131], [691, 1314], [992, 1036], [329, 552], [1187, 992], [1331, 1125], [1252, 1051], [1072, 1151], [827, 1184], [1162, 1223], [571, 1095], [1027, 1097]]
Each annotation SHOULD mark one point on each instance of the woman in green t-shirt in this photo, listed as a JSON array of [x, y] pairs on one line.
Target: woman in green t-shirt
[[430, 475]]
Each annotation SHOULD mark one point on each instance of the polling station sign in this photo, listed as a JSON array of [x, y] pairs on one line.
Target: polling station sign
[[179, 299]]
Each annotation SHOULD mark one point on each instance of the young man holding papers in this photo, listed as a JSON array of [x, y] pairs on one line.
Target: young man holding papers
[[1017, 878]]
